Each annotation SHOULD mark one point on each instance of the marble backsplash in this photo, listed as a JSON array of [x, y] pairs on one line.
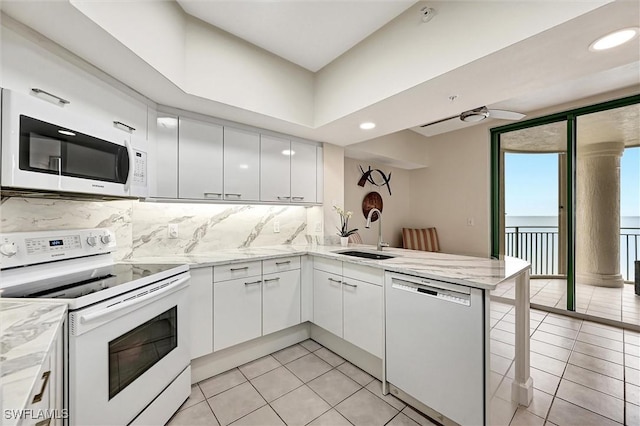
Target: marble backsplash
[[142, 228], [205, 228], [35, 214]]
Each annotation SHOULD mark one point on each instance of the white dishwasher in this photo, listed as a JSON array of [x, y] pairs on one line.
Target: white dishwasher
[[435, 346]]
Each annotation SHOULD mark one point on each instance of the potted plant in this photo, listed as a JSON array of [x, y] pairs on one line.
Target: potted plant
[[344, 231]]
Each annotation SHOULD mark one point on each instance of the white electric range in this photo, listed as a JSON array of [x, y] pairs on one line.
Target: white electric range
[[126, 337]]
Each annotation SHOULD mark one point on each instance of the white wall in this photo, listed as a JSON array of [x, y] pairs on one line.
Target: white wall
[[333, 190], [396, 207], [404, 149]]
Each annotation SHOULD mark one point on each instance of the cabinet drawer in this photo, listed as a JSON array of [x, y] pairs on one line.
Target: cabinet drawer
[[237, 270], [328, 265], [363, 273], [280, 265]]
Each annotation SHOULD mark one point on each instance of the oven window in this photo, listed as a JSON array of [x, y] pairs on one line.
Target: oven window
[[47, 148], [133, 353]]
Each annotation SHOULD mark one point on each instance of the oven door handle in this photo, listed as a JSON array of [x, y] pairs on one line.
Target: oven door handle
[[170, 289]]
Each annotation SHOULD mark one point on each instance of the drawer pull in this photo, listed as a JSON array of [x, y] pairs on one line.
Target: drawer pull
[[127, 128], [297, 198], [58, 98], [244, 268], [45, 381], [272, 279], [334, 280], [253, 282], [283, 263], [350, 285], [212, 194], [233, 195], [284, 198], [45, 422]]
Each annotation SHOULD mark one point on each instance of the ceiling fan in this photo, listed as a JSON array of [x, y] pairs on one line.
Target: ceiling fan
[[479, 114]]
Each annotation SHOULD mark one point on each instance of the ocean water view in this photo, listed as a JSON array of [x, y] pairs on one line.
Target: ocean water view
[[536, 240]]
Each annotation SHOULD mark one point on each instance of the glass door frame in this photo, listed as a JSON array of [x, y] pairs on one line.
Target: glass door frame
[[497, 167]]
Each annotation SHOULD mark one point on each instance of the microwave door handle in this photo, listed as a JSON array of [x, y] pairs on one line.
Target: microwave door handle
[[127, 184], [170, 289]]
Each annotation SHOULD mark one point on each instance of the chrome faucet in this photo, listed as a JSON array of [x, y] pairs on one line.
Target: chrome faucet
[[368, 225]]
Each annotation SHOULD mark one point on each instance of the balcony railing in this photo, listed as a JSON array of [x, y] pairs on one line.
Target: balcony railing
[[539, 246]]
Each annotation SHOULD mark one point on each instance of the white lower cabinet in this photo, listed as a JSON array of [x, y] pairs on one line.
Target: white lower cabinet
[[237, 311], [349, 308], [362, 309], [201, 304], [280, 300], [327, 301]]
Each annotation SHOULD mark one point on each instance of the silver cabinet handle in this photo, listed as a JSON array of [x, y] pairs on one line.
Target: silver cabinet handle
[[253, 282], [335, 281], [233, 195], [283, 263], [127, 128], [57, 98], [244, 268], [350, 285], [272, 279], [284, 198], [297, 198], [212, 194]]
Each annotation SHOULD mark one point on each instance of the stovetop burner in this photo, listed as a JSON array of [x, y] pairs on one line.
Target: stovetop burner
[[94, 280]]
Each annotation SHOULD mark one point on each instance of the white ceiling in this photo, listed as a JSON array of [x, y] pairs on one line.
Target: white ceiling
[[535, 56], [309, 33]]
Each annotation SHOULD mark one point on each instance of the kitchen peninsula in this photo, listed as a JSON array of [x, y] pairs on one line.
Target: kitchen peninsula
[[321, 263]]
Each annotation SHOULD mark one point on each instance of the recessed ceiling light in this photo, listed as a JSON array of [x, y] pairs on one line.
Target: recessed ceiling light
[[66, 132], [367, 125], [614, 39]]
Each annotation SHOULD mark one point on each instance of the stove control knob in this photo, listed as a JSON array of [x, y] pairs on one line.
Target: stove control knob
[[9, 249], [92, 241], [105, 239]]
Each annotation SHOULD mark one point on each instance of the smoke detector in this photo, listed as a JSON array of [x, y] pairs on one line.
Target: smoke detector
[[427, 13]]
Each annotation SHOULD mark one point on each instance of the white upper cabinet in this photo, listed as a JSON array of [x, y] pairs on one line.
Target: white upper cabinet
[[163, 182], [200, 155], [241, 165], [275, 177], [303, 172]]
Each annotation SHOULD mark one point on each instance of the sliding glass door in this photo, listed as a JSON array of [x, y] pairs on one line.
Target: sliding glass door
[[564, 198]]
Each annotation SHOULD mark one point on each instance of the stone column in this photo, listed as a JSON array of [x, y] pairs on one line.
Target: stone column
[[598, 214]]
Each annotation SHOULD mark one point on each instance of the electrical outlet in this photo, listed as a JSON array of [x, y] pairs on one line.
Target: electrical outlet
[[470, 221], [318, 227], [276, 227], [172, 230]]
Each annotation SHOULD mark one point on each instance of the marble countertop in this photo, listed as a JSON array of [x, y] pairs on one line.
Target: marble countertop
[[27, 333], [465, 270]]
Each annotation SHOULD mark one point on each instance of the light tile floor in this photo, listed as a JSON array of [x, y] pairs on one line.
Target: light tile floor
[[584, 373], [616, 304], [304, 384]]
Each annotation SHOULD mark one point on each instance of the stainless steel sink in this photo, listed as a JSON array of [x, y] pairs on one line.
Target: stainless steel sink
[[365, 254]]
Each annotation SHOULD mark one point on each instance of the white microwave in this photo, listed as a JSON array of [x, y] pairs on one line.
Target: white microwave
[[46, 148]]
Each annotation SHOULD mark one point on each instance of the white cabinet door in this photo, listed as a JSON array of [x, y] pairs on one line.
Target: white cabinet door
[[200, 160], [280, 300], [241, 165], [327, 301], [237, 311], [303, 172], [201, 311], [275, 168], [163, 158], [363, 315]]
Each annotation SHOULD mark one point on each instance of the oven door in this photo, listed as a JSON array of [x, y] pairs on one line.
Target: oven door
[[45, 148], [125, 351]]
